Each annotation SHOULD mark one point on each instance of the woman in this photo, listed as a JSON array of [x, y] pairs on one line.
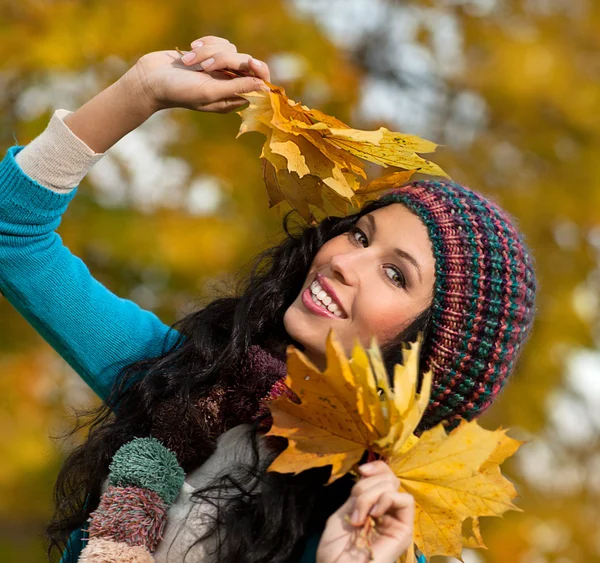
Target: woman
[[430, 257]]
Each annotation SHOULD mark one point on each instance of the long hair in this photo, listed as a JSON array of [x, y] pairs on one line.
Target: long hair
[[212, 343]]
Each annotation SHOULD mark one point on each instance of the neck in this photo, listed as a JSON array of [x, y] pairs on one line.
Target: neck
[[317, 358]]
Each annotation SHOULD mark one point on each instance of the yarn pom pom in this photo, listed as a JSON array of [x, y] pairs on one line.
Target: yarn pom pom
[[129, 515], [103, 551], [146, 463]]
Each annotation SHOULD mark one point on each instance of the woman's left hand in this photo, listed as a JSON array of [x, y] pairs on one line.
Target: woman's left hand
[[164, 80], [375, 494]]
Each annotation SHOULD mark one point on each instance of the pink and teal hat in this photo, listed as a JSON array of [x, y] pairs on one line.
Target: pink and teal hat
[[484, 297]]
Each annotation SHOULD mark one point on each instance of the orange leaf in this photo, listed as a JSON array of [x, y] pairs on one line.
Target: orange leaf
[[341, 414], [322, 164], [386, 182], [454, 477], [351, 407]]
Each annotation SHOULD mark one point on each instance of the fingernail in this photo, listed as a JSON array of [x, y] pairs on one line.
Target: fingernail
[[366, 468], [355, 517], [256, 62], [374, 509], [188, 57], [197, 44], [207, 63]]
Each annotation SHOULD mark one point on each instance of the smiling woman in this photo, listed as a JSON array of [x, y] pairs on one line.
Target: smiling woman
[[429, 257], [370, 272]]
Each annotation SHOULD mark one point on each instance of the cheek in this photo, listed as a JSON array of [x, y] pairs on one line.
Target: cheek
[[381, 315], [334, 246], [322, 257]]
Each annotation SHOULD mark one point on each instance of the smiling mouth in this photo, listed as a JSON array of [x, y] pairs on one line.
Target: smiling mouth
[[321, 299], [315, 306]]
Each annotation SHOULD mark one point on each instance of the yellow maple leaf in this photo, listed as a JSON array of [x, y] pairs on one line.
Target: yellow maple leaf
[[471, 534], [313, 160], [351, 408], [453, 477], [385, 182], [345, 410]]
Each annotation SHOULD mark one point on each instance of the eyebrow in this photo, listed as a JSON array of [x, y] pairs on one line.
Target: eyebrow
[[398, 251]]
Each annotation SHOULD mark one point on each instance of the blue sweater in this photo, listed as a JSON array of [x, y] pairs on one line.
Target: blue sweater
[[96, 332]]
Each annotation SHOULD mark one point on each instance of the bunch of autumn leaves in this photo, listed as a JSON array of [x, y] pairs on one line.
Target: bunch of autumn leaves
[[350, 409], [315, 162]]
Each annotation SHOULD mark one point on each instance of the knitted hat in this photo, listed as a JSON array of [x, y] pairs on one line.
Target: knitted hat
[[483, 302]]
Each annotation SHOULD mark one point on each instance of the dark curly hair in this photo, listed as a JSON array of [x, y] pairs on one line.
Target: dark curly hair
[[270, 516]]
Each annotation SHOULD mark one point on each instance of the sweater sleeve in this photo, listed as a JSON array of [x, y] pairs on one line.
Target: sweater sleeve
[[95, 331], [57, 159]]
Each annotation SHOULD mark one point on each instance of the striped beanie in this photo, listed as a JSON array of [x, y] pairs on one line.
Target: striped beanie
[[484, 297]]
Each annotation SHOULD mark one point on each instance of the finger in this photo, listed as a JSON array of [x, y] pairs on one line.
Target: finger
[[399, 514], [226, 106], [206, 53], [224, 89], [375, 468], [367, 483], [227, 60], [210, 40], [364, 503], [389, 527], [394, 502], [260, 69], [403, 508]]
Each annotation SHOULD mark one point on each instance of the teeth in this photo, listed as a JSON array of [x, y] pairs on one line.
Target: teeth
[[314, 298], [320, 297]]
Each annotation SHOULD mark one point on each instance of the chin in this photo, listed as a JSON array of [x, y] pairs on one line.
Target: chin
[[293, 323], [301, 330]]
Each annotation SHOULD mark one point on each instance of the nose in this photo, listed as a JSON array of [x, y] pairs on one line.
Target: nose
[[345, 267]]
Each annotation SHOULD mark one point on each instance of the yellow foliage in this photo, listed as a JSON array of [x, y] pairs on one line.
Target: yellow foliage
[[314, 160], [533, 70], [341, 414], [350, 408], [454, 477]]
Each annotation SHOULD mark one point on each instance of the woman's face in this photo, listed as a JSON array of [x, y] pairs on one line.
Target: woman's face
[[379, 276]]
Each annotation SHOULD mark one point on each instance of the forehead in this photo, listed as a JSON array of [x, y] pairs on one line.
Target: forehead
[[396, 222], [397, 226]]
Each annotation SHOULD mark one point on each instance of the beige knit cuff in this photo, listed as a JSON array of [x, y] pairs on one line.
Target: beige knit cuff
[[57, 158]]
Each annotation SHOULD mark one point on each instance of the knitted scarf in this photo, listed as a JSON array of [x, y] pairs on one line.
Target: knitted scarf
[[190, 428]]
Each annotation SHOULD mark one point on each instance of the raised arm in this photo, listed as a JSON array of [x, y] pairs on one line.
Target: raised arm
[[95, 331]]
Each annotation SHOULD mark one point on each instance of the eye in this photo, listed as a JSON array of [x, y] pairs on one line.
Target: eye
[[358, 236], [391, 272], [396, 276]]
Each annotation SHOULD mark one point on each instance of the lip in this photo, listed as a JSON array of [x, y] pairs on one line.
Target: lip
[[317, 309], [331, 292], [314, 308]]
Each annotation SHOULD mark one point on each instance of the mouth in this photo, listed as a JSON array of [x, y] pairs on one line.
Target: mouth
[[320, 298]]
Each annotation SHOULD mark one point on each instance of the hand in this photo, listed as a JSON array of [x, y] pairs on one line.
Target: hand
[[375, 494], [165, 81]]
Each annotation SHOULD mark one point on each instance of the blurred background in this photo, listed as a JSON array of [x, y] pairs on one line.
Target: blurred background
[[511, 88]]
